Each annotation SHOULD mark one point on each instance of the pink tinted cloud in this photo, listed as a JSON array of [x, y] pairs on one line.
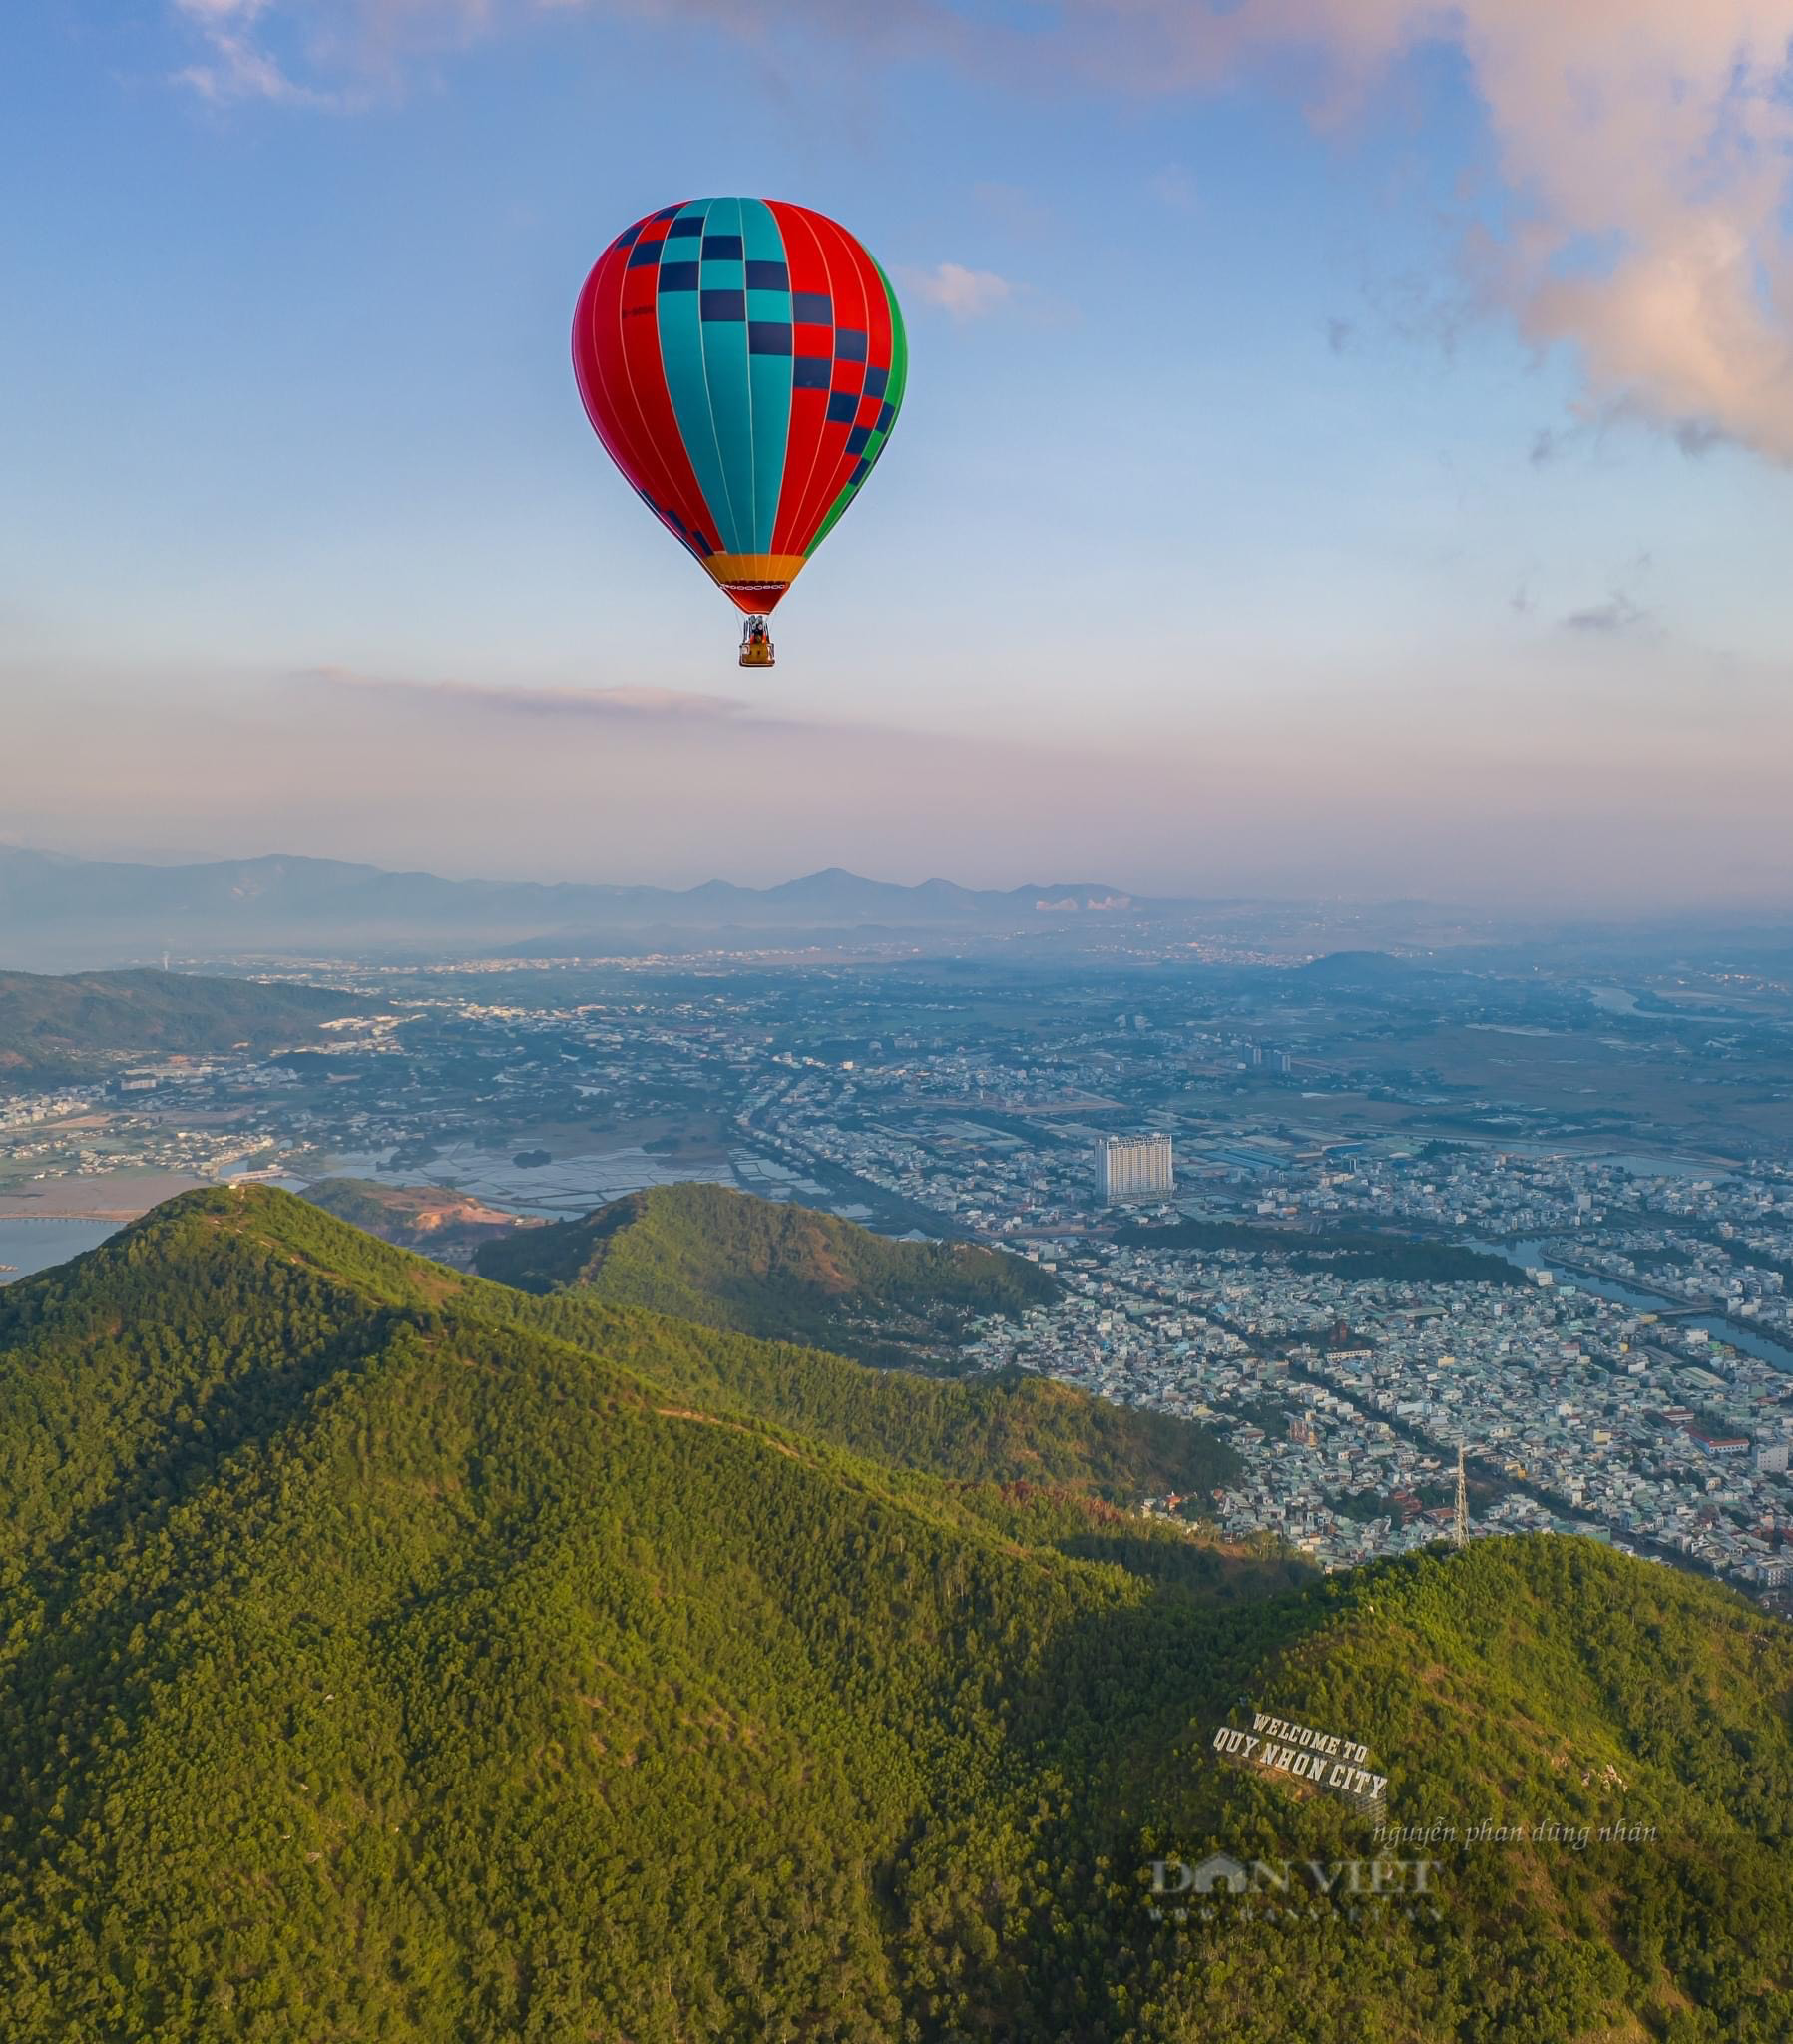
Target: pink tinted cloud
[[496, 698], [959, 292], [1644, 147]]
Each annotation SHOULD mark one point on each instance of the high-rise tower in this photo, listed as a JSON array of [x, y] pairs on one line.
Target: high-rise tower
[[1133, 1168]]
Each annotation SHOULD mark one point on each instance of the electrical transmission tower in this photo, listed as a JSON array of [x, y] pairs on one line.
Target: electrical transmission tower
[[1460, 1526]]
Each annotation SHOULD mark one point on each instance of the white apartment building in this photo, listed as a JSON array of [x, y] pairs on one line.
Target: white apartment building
[[1133, 1168]]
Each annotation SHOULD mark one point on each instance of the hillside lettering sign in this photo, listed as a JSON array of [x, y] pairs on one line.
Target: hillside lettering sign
[[1324, 1758]]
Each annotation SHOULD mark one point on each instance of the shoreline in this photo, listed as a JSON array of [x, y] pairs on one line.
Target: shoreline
[[117, 1198]]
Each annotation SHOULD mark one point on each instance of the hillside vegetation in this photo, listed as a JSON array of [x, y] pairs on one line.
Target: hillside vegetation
[[385, 1654], [53, 1027], [759, 1267]]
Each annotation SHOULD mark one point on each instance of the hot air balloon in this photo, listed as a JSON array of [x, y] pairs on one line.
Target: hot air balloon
[[742, 360]]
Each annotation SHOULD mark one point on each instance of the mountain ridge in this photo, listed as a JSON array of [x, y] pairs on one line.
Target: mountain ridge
[[51, 903]]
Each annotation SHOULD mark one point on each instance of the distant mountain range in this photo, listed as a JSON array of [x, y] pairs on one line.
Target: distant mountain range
[[62, 910]]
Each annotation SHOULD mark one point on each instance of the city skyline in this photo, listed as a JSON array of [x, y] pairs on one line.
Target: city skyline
[[1345, 454]]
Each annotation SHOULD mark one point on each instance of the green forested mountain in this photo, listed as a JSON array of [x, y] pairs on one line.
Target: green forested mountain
[[385, 1654], [55, 1026], [703, 1253]]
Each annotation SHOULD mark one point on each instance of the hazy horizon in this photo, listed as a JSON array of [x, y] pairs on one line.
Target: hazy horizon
[[1193, 892], [580, 787]]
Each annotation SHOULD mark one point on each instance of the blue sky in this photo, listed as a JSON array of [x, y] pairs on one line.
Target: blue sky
[[1294, 490]]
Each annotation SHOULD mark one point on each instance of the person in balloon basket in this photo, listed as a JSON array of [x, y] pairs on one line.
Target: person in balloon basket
[[757, 644]]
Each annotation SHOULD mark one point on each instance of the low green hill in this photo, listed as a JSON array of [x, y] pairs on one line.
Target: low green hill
[[727, 1260], [385, 1654], [62, 1026]]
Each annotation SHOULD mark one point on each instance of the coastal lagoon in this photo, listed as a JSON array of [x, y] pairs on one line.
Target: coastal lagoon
[[36, 1244], [570, 1184]]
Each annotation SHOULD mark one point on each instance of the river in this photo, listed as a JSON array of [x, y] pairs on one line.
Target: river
[[1530, 1255]]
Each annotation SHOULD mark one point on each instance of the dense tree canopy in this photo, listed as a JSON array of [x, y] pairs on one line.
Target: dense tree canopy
[[761, 1267], [389, 1655]]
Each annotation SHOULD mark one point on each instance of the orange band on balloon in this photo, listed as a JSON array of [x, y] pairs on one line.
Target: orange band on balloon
[[755, 582], [774, 568]]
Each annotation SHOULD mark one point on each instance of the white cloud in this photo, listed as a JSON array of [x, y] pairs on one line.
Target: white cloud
[[340, 56], [211, 12], [237, 70], [236, 65], [961, 292], [1643, 151]]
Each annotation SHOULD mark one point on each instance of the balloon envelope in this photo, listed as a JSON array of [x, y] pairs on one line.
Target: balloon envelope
[[742, 360]]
